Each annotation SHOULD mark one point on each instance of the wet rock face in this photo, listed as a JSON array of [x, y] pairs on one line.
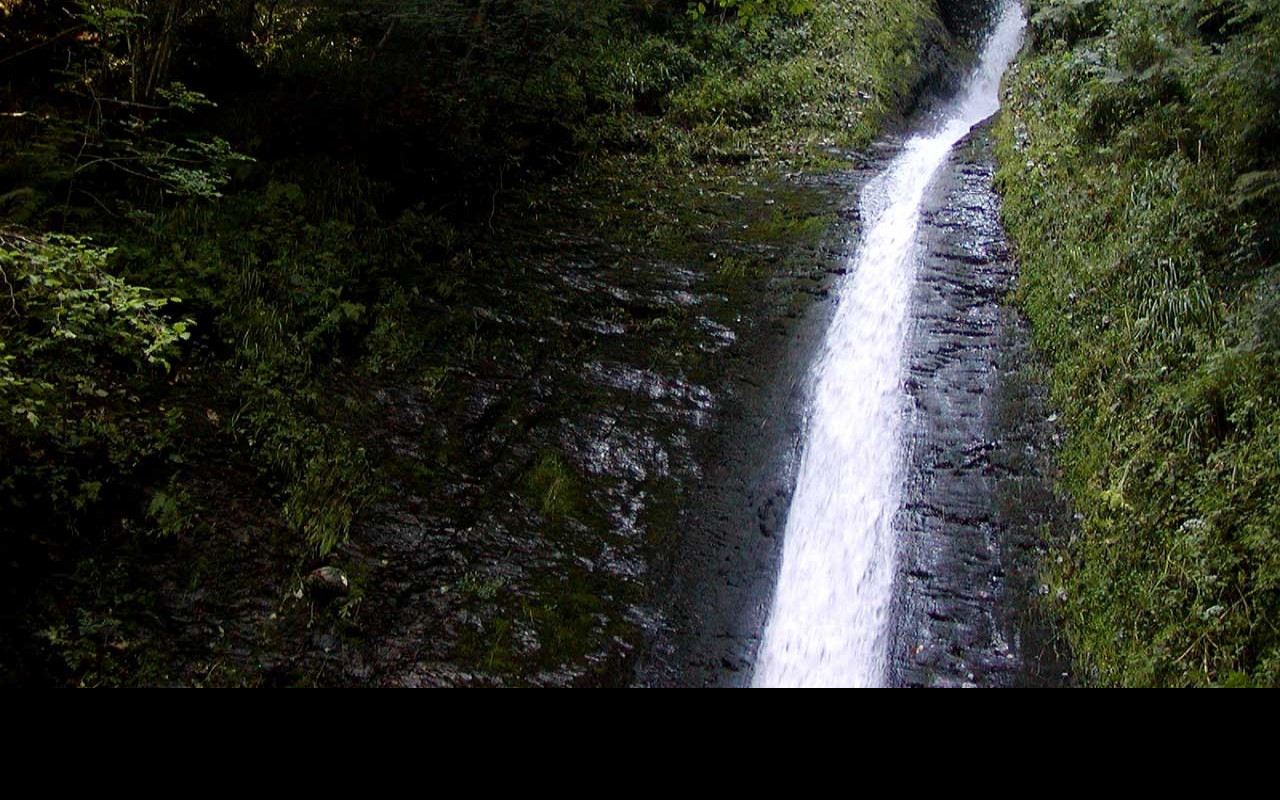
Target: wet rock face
[[952, 48], [966, 19], [979, 494], [585, 467], [594, 495], [723, 568], [518, 548]]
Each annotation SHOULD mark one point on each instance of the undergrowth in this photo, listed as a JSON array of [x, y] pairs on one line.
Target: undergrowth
[[1140, 174]]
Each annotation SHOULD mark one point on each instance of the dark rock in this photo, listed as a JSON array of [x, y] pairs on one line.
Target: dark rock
[[962, 615], [328, 581]]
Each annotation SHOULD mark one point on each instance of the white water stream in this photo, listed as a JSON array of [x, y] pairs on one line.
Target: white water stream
[[829, 624]]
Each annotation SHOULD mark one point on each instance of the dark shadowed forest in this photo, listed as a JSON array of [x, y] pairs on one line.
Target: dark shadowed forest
[[216, 213]]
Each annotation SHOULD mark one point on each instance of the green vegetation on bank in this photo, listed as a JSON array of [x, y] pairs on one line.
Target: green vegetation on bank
[[224, 223], [1141, 176]]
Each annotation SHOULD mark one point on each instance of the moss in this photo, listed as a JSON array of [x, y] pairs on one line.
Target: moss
[[553, 489], [786, 93]]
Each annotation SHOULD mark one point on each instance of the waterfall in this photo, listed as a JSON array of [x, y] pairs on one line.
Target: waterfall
[[829, 622]]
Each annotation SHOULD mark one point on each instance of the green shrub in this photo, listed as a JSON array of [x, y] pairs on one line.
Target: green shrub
[[77, 343]]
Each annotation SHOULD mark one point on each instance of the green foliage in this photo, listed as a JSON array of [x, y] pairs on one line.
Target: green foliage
[[787, 91], [78, 340], [327, 494], [292, 284], [170, 509], [553, 488], [133, 149], [61, 289], [1139, 194], [1065, 21], [751, 12]]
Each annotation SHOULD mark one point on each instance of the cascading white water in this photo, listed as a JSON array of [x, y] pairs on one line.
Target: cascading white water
[[829, 622]]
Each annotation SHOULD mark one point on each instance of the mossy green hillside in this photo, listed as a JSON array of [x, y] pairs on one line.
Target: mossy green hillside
[[1140, 173]]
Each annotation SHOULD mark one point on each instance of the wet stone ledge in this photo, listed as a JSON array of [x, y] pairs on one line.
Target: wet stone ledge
[[979, 498]]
